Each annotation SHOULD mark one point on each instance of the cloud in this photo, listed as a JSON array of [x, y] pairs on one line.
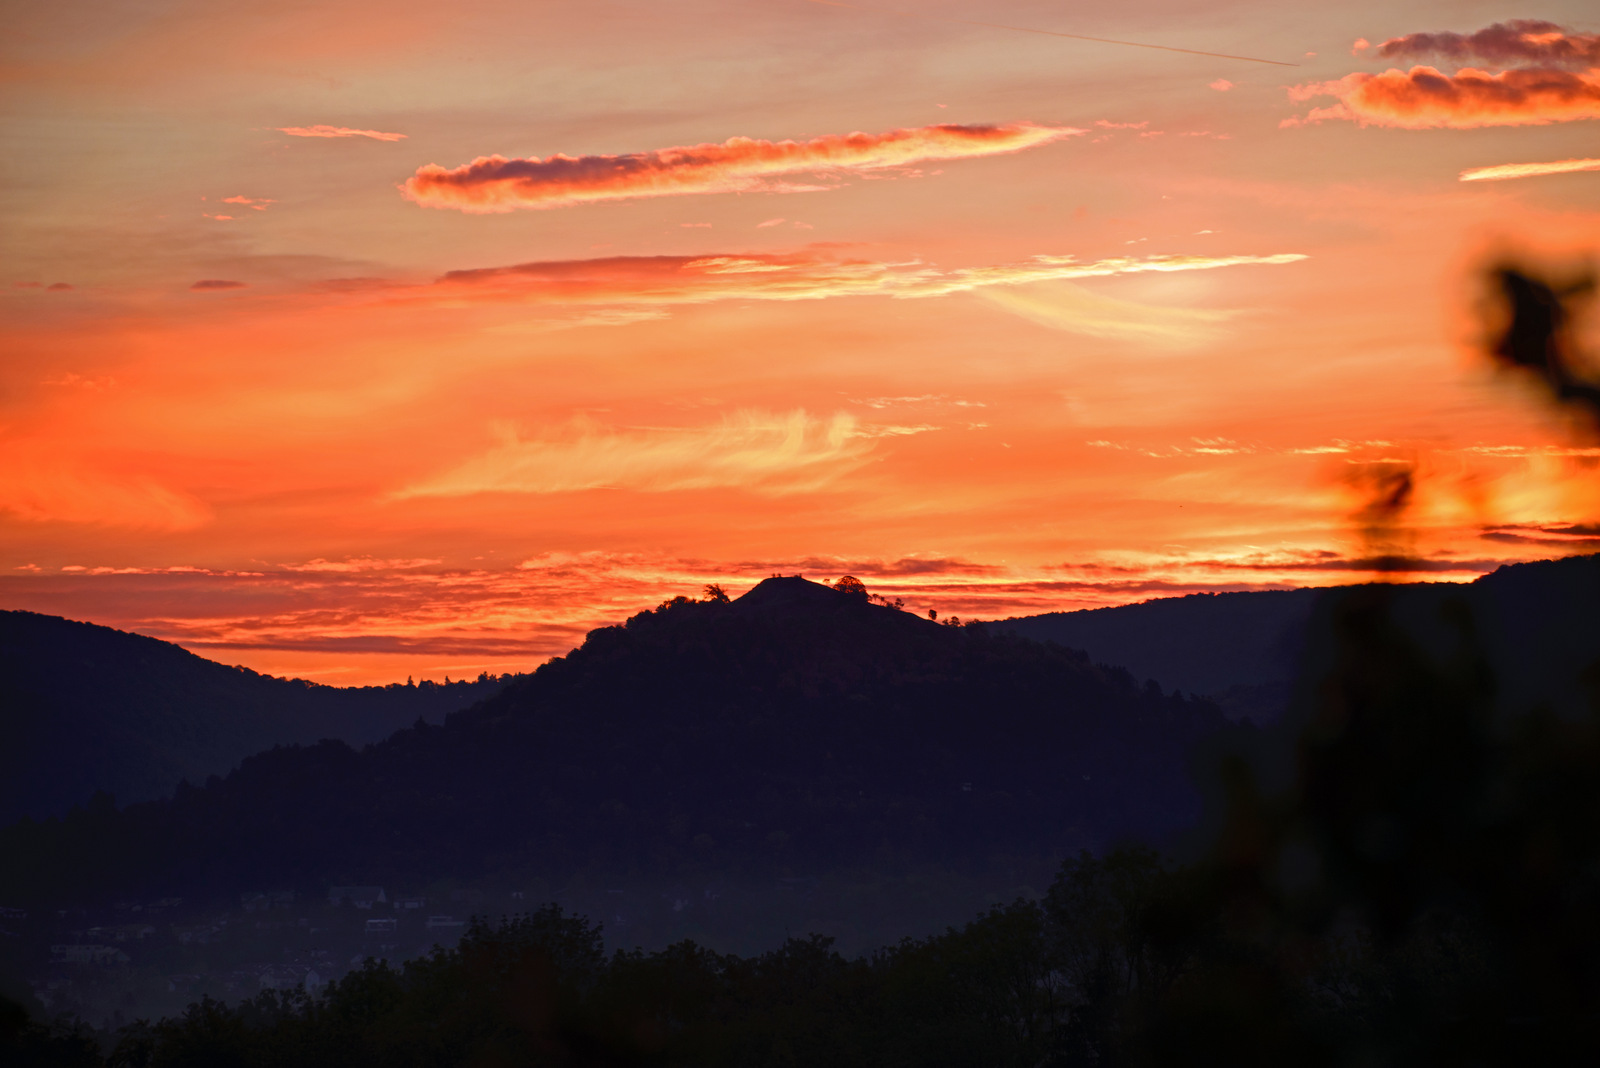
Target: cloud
[[359, 563], [1221, 85], [738, 165], [40, 487], [906, 566], [338, 131], [809, 275], [1424, 98], [1529, 41], [1503, 171], [217, 283], [73, 380], [254, 203], [1326, 561], [764, 451], [1064, 306]]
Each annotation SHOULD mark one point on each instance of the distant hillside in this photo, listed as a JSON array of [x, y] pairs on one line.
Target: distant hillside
[[1539, 623], [86, 708], [796, 729]]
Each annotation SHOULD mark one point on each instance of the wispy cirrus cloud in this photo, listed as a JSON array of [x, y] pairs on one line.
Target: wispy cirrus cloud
[[764, 451], [354, 564], [739, 165], [1531, 41], [339, 131], [1424, 98], [1069, 307], [39, 486], [812, 274], [1501, 172]]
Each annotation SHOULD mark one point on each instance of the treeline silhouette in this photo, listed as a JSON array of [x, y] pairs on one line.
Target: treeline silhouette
[[794, 730], [86, 708]]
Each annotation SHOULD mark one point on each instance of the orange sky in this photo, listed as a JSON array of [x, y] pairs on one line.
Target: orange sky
[[356, 340]]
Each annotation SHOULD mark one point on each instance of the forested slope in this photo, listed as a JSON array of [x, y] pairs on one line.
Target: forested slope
[[86, 708], [794, 729]]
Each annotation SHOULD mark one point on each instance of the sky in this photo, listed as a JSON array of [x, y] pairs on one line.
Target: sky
[[358, 341]]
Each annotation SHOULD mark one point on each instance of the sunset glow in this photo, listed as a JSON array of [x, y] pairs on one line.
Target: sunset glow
[[998, 322]]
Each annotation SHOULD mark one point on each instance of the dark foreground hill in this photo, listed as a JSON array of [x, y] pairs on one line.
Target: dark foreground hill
[[86, 708], [791, 731], [1539, 625], [1422, 889]]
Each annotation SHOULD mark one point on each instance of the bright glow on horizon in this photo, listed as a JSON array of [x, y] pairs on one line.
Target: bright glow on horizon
[[1073, 324]]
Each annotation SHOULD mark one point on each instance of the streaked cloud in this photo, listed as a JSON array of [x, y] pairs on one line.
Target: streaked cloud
[[1502, 171], [360, 563], [206, 284], [739, 165], [1423, 98], [339, 131], [1069, 307], [812, 274], [1531, 41], [44, 488], [765, 451]]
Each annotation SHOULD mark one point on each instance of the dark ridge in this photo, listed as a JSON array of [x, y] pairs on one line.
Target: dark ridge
[[87, 708], [1539, 623], [795, 730]]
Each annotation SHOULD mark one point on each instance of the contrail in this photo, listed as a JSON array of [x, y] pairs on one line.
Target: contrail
[[1053, 33]]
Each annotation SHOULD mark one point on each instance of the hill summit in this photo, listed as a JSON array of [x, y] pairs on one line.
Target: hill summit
[[794, 730]]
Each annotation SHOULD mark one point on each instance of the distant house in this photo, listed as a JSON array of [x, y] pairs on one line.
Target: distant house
[[362, 897], [409, 903], [199, 934], [467, 897], [122, 932], [259, 901], [445, 923], [382, 926], [87, 954], [282, 977]]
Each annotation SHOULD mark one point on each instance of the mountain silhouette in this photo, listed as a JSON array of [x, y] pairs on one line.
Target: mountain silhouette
[[86, 708], [793, 730], [1539, 624]]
